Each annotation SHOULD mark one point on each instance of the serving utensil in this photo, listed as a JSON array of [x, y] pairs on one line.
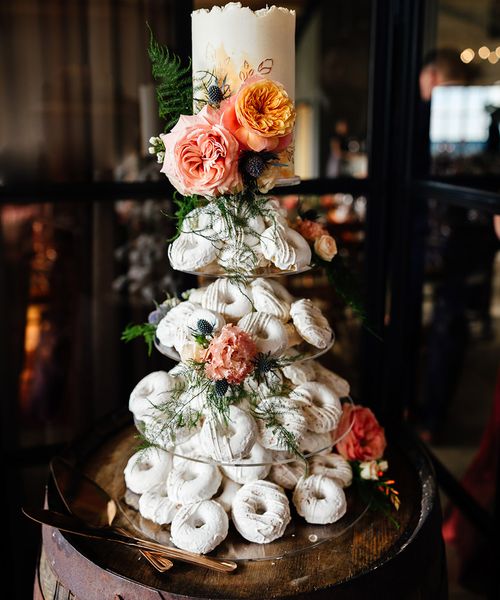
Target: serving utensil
[[89, 502], [73, 525]]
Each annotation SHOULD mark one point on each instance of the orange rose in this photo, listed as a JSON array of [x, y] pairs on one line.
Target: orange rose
[[260, 115]]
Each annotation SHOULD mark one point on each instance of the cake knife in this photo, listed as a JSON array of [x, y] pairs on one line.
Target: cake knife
[[90, 503], [73, 525]]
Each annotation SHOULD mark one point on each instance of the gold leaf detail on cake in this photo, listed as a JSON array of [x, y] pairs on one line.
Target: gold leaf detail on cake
[[266, 66], [247, 71]]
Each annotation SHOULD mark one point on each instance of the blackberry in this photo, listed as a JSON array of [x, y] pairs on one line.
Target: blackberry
[[255, 165], [215, 95], [204, 327], [221, 387]]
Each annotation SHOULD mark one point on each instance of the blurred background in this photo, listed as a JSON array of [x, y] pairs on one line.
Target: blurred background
[[401, 159]]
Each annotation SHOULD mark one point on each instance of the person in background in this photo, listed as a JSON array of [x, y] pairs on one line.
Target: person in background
[[460, 249], [338, 149], [475, 552]]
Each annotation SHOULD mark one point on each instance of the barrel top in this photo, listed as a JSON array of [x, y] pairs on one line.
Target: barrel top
[[368, 545]]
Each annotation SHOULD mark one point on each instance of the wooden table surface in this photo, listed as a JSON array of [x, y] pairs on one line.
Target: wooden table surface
[[372, 558]]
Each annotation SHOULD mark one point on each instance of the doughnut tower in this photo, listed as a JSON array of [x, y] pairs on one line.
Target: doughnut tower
[[246, 423]]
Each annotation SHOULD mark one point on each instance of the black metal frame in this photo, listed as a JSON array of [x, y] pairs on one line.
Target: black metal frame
[[395, 197]]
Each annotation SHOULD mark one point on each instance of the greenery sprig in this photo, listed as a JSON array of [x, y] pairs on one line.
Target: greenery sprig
[[174, 90], [144, 330], [268, 413], [380, 494]]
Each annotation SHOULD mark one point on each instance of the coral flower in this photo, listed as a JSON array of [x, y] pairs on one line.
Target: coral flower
[[366, 440], [201, 155], [230, 355]]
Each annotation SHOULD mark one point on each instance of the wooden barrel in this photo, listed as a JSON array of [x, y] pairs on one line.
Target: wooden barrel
[[372, 559]]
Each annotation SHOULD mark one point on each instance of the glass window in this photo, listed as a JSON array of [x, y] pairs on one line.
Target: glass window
[[77, 103], [460, 91]]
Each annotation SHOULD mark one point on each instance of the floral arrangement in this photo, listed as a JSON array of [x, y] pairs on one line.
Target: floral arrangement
[[363, 446], [227, 155], [221, 161]]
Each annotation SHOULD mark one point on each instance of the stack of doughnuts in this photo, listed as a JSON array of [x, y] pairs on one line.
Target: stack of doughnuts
[[194, 479], [264, 309], [208, 239]]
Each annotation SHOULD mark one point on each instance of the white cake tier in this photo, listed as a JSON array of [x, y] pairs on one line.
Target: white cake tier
[[232, 43]]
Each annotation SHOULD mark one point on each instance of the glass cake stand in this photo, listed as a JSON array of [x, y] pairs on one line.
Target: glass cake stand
[[301, 352], [272, 271], [299, 535]]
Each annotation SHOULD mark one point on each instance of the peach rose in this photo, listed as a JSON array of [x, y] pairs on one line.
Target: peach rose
[[260, 115], [201, 155], [310, 230], [192, 351], [325, 247], [230, 355], [366, 440]]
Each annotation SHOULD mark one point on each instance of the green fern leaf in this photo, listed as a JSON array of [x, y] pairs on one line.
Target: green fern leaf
[[174, 89]]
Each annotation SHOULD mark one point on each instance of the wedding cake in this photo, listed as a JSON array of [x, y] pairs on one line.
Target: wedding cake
[[248, 428]]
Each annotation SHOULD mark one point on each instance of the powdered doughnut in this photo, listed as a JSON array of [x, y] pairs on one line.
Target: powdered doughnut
[[228, 299], [311, 324], [147, 468], [191, 481], [287, 414], [338, 384], [261, 511], [299, 372], [166, 332], [267, 331], [268, 384], [332, 465], [274, 213], [247, 473], [199, 220], [313, 442], [196, 295], [226, 493], [293, 337], [229, 441], [202, 314], [191, 252], [319, 499], [156, 506], [272, 298], [287, 474], [149, 394], [199, 527], [285, 248], [323, 409], [241, 253]]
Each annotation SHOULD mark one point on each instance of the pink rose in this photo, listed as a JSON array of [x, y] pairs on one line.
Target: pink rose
[[260, 115], [230, 355], [325, 247], [201, 155], [310, 230], [366, 440]]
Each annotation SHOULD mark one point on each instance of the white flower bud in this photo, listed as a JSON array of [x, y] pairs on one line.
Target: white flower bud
[[369, 470], [152, 150]]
